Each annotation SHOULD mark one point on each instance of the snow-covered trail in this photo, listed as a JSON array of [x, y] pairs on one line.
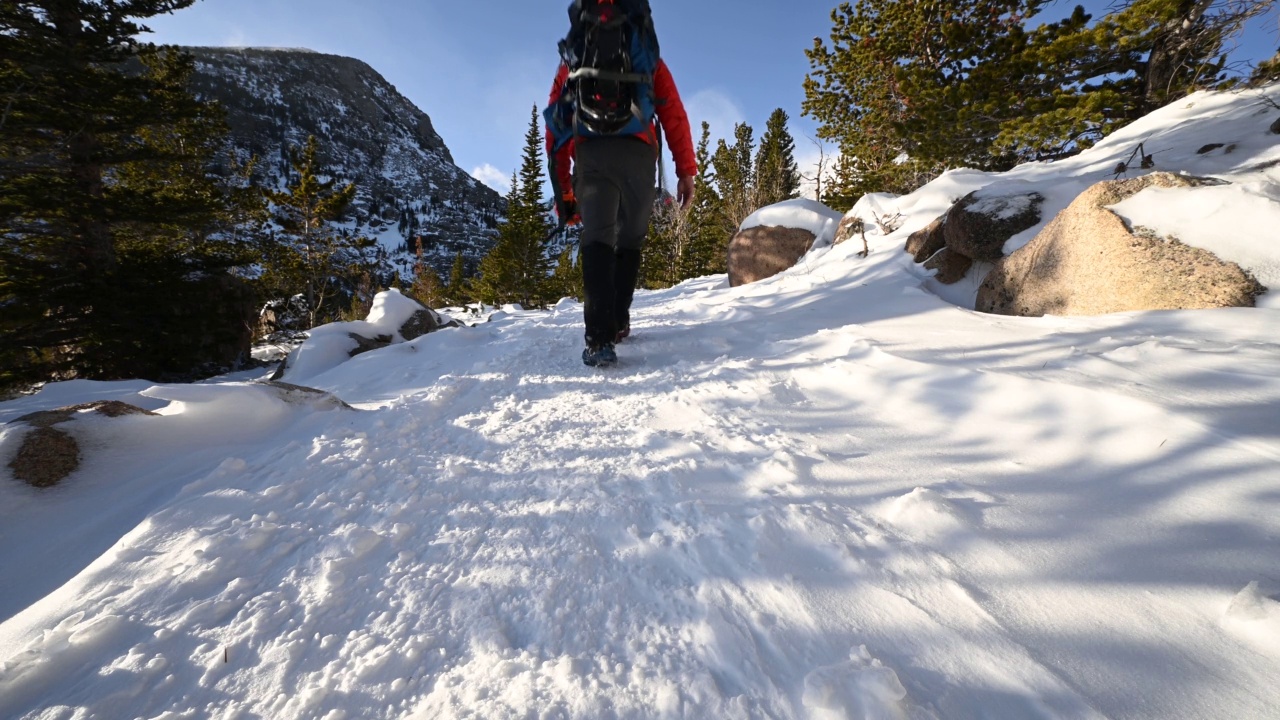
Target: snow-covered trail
[[781, 504]]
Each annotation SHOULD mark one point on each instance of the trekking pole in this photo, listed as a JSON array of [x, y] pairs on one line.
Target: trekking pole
[[559, 228], [662, 163]]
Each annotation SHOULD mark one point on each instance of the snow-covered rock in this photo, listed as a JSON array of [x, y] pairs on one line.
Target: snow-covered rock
[[761, 252], [980, 224], [798, 214], [393, 319], [1235, 220], [47, 451], [774, 238], [1088, 261]]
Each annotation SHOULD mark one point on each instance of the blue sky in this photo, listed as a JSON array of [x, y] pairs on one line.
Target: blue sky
[[478, 68]]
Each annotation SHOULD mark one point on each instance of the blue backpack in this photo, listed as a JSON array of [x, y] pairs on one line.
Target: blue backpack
[[612, 53]]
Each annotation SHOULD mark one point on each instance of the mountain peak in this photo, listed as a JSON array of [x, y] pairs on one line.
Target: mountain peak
[[368, 133]]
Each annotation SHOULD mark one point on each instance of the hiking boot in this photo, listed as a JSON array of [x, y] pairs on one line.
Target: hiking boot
[[623, 334], [599, 355]]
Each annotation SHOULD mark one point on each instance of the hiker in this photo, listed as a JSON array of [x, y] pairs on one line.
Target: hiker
[[603, 145]]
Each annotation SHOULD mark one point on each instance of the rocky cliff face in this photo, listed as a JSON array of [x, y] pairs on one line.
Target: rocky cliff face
[[368, 134]]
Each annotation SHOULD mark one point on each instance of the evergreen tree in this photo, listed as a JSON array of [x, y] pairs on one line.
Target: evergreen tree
[[312, 256], [516, 270], [458, 291], [427, 288], [1079, 81], [566, 279], [735, 177], [777, 175], [1267, 71], [706, 243], [907, 89], [112, 258], [664, 246], [902, 90]]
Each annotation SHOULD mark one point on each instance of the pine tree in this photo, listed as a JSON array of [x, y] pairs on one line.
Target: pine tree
[[907, 89], [664, 246], [516, 270], [427, 288], [1267, 72], [312, 256], [777, 175], [114, 260], [566, 279], [735, 177], [706, 243], [1080, 81], [904, 89], [458, 291]]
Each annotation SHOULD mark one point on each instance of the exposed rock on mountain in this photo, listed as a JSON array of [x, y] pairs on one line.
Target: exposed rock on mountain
[[1087, 261], [368, 133]]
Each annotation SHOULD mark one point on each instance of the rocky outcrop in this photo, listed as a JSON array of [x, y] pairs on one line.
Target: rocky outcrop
[[420, 323], [368, 133], [49, 454], [762, 252], [394, 318], [1088, 262]]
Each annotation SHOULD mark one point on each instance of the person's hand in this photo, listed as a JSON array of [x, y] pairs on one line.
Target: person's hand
[[685, 191], [567, 209]]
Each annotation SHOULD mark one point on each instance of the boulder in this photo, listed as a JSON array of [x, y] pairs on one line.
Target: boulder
[[764, 251], [978, 226], [951, 266], [850, 227], [1088, 262], [307, 396], [49, 454], [424, 322], [367, 344], [45, 458], [924, 243]]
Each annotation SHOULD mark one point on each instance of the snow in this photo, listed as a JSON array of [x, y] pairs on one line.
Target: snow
[[830, 494], [799, 214]]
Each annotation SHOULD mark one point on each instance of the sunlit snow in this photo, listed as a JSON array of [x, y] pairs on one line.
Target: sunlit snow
[[835, 493]]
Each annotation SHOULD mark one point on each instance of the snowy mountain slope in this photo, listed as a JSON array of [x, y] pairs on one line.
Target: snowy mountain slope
[[369, 134], [831, 494]]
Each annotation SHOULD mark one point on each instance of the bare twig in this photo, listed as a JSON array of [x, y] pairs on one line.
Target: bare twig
[[1148, 161], [821, 171], [888, 224]]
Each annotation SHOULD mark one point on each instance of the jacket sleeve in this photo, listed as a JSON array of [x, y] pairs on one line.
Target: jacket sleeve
[[560, 160], [675, 122]]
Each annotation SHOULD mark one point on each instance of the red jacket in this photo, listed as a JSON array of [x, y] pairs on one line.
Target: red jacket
[[671, 114]]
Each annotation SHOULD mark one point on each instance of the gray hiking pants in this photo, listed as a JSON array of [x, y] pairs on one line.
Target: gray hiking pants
[[614, 182]]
